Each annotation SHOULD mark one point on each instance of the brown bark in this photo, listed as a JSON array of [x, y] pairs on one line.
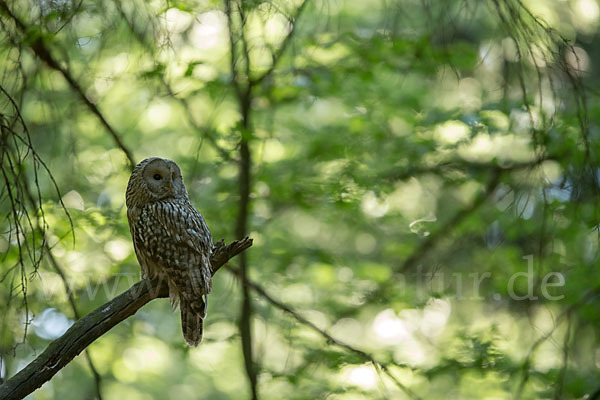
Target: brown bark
[[95, 324]]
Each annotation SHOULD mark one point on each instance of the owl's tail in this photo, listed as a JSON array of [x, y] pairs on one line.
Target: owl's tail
[[193, 313]]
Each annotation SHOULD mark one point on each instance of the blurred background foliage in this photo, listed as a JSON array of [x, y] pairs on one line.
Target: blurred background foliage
[[405, 159]]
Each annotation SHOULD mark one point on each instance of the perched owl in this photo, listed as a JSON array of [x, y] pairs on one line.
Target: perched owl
[[171, 239]]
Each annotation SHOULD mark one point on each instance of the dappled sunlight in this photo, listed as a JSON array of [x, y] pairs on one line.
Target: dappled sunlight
[[578, 60], [277, 27], [435, 317], [415, 198], [587, 9], [50, 324], [485, 148], [364, 376], [451, 132], [209, 31], [117, 65], [157, 116], [326, 111], [412, 333], [586, 13], [210, 356], [177, 21], [273, 150], [365, 243], [374, 207], [73, 200], [419, 178], [147, 355], [348, 330], [465, 94], [118, 249], [390, 329], [414, 353]]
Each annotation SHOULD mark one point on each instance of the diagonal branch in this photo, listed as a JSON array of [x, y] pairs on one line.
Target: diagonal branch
[[77, 315], [40, 50], [277, 55], [95, 324], [427, 245], [48, 250], [565, 315], [496, 174], [361, 353], [204, 131]]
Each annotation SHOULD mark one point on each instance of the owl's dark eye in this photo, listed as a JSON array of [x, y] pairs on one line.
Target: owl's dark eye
[[157, 177]]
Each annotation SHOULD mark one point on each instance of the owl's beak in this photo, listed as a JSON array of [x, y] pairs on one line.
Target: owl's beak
[[170, 186]]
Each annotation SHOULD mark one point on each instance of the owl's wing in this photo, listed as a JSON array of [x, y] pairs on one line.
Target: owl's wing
[[194, 233], [133, 215], [174, 236]]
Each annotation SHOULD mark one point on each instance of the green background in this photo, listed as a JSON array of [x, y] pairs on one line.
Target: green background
[[407, 159]]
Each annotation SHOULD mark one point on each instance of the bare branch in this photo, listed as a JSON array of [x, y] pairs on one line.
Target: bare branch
[[232, 60], [462, 165], [40, 49], [277, 56], [244, 98], [361, 353], [565, 315], [16, 156], [95, 324], [205, 131], [452, 223], [54, 263]]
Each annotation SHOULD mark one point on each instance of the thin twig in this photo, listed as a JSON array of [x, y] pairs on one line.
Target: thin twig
[[95, 324], [204, 131], [276, 57], [56, 266], [451, 224], [330, 339], [590, 294], [560, 381], [42, 51], [244, 97]]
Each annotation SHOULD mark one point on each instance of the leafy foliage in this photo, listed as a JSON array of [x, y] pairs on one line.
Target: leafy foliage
[[423, 192]]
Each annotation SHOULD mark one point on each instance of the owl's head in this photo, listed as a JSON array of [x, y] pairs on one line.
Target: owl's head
[[155, 179]]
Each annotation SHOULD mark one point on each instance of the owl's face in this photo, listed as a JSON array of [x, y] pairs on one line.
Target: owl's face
[[155, 179], [163, 179]]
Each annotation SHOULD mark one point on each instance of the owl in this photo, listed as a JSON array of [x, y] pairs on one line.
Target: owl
[[171, 239]]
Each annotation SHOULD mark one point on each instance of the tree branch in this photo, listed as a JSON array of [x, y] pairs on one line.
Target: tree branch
[[243, 85], [54, 263], [40, 50], [378, 365], [204, 131], [88, 356], [433, 239], [95, 324], [244, 98], [232, 60], [277, 56], [564, 315], [461, 165]]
